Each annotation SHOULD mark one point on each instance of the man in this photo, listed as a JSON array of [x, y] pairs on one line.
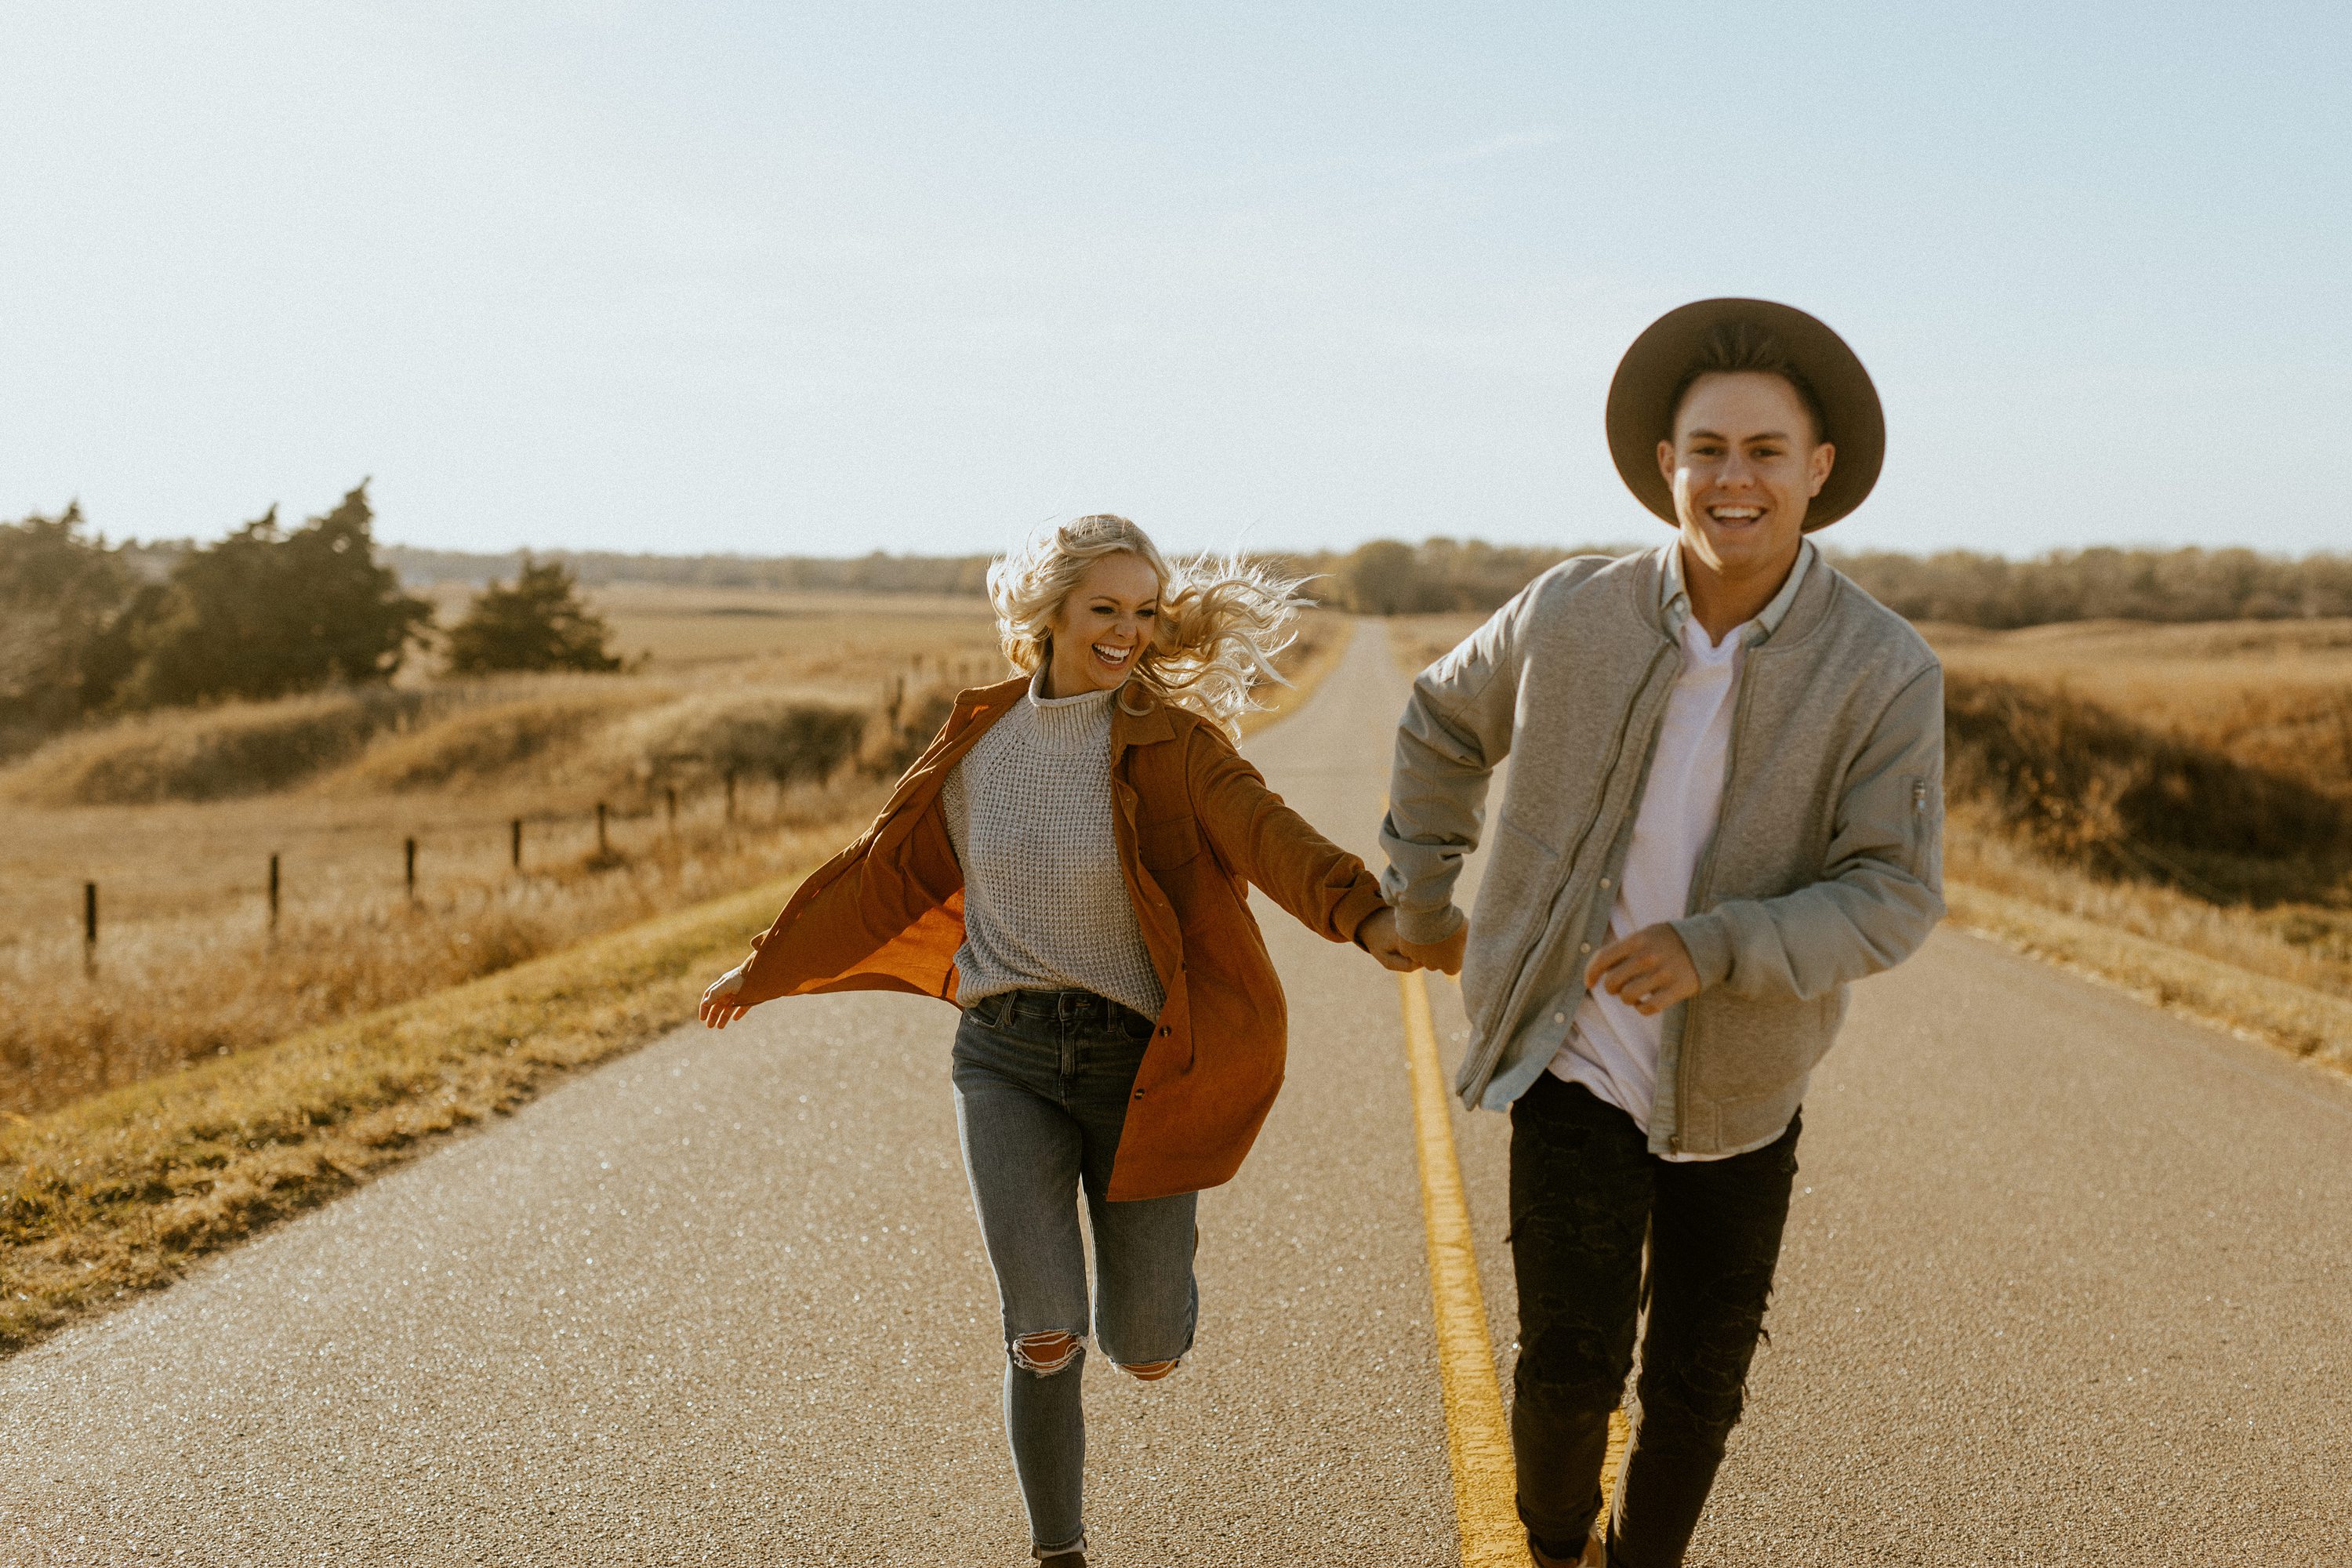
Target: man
[[1725, 805]]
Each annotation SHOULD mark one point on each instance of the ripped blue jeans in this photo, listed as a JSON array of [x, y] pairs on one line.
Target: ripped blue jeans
[[1042, 1083]]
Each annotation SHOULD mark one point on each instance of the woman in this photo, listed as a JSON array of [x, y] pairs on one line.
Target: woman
[[1070, 863]]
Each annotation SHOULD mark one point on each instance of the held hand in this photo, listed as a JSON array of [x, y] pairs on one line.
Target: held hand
[[720, 1007], [1378, 937], [1650, 970], [1445, 955]]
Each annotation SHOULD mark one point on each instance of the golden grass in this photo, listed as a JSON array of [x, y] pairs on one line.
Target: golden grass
[[210, 753], [185, 966], [1420, 641], [1322, 637], [854, 639], [2309, 1023], [494, 739], [2270, 695], [119, 1192], [169, 992], [2304, 945]]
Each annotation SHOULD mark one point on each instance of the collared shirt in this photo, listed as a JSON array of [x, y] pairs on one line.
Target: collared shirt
[[1610, 1047]]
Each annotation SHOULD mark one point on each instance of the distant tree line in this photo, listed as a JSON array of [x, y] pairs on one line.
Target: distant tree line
[[1389, 577], [2104, 584], [873, 574], [88, 628]]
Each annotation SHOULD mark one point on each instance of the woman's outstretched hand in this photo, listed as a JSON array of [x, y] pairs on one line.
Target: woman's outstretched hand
[[720, 1007], [1379, 936]]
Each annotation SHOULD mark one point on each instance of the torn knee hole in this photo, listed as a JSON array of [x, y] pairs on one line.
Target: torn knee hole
[[1044, 1353], [1149, 1371]]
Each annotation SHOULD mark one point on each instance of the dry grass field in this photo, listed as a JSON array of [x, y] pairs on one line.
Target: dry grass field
[[208, 1079], [2122, 794], [176, 816]]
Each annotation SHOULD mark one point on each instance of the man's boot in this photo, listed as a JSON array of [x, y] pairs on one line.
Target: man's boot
[[1593, 1555]]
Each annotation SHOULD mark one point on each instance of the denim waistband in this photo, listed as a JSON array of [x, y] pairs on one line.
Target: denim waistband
[[1070, 1010]]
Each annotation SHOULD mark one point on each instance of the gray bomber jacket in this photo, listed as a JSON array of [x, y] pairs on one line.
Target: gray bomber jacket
[[1826, 864]]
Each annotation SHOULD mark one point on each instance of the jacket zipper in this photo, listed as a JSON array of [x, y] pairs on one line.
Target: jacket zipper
[[1701, 884], [1493, 1043]]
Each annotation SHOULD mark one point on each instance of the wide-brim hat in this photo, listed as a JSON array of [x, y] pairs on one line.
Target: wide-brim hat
[[1641, 393]]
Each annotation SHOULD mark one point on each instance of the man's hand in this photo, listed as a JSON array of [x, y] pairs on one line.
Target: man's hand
[[1378, 936], [720, 1007], [1445, 955], [1649, 971]]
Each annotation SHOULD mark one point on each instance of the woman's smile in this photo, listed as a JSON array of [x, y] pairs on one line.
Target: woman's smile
[[1103, 626]]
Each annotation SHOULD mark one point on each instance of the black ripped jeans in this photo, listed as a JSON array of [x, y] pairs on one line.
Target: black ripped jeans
[[1586, 1194]]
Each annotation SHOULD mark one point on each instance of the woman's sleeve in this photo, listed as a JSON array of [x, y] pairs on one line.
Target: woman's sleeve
[[1328, 889]]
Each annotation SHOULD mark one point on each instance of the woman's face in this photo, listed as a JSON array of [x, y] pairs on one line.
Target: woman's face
[[1111, 614]]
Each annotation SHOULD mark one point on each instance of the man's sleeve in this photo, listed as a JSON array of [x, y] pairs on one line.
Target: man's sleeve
[[1455, 727], [1884, 888]]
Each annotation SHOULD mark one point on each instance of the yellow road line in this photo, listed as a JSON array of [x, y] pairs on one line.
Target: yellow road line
[[1476, 1435], [1478, 1438]]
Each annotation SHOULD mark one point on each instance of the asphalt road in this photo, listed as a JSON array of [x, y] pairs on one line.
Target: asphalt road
[[2066, 1282]]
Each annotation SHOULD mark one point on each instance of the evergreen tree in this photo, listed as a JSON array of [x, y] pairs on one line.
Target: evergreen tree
[[61, 592], [266, 612], [540, 623]]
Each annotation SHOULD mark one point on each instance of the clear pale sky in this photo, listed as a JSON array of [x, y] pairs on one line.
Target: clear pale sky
[[834, 277]]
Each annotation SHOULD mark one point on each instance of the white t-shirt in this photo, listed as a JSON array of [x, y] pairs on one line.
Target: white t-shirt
[[1611, 1049]]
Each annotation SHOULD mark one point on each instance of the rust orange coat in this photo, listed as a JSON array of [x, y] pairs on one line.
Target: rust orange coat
[[1196, 823]]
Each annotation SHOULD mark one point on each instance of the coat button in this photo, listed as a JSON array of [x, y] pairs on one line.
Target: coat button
[[1139, 1094], [1560, 1017], [1584, 947], [1604, 881]]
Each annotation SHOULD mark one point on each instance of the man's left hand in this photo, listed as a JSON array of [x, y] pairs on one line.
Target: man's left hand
[[1649, 971]]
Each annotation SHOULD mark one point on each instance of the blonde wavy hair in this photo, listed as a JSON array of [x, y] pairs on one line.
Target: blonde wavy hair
[[1221, 618]]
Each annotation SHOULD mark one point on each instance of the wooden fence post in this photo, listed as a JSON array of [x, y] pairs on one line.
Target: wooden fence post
[[669, 797], [514, 846], [90, 928], [603, 844], [273, 897], [412, 870]]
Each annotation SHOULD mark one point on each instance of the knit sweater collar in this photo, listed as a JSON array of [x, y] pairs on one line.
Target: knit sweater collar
[[1068, 724]]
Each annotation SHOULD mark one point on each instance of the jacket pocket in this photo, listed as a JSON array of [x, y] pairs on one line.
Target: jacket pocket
[[1923, 826]]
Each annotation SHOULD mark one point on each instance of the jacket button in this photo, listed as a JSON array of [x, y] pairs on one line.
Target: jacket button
[[1560, 1017], [1163, 1029], [1139, 1094], [1604, 881], [1584, 947]]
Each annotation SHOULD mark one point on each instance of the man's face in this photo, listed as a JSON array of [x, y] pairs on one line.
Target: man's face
[[1744, 465]]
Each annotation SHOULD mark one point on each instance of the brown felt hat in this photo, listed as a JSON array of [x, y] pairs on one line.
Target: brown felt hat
[[1641, 395]]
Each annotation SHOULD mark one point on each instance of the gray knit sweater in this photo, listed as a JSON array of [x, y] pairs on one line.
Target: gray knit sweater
[[1045, 905]]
